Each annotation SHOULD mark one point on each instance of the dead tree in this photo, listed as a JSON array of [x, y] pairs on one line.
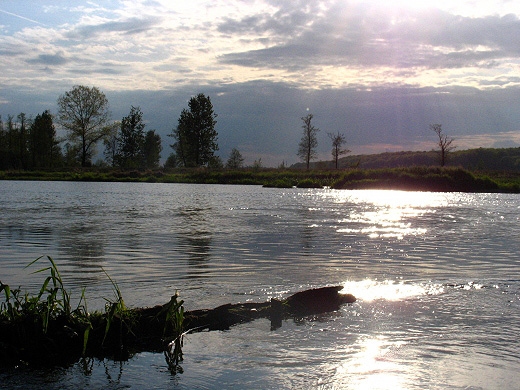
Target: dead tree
[[444, 143], [309, 141]]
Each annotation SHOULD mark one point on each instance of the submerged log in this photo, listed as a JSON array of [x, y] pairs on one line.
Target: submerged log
[[304, 303], [147, 329]]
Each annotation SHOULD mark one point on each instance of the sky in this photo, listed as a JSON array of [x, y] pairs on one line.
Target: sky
[[379, 72]]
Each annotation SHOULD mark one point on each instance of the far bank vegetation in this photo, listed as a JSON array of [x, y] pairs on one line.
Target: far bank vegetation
[[31, 150]]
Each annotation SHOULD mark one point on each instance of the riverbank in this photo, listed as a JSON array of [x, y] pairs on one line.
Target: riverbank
[[435, 179]]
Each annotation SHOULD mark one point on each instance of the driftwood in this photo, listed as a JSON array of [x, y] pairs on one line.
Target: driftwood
[[147, 329]]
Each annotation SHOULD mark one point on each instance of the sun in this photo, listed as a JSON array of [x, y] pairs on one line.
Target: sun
[[469, 8]]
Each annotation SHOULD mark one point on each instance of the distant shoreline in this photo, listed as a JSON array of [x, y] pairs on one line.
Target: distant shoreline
[[427, 178]]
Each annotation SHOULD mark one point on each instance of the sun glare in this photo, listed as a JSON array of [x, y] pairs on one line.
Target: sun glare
[[374, 366], [470, 8], [392, 214], [371, 290]]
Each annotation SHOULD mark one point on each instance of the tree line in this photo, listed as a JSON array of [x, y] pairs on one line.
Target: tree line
[[27, 143], [83, 112]]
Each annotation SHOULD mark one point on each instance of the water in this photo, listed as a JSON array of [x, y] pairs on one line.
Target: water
[[436, 276]]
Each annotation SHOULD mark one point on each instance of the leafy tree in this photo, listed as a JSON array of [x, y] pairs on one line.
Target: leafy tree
[[131, 140], [215, 162], [111, 143], [309, 141], [72, 155], [195, 135], [338, 140], [12, 142], [43, 146], [4, 158], [444, 143], [83, 111], [171, 161], [23, 140], [235, 160], [152, 149]]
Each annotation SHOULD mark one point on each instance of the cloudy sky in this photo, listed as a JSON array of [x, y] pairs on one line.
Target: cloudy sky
[[377, 71]]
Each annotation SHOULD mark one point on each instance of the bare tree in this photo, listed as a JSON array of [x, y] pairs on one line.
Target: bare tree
[[338, 140], [444, 143], [309, 141], [83, 111]]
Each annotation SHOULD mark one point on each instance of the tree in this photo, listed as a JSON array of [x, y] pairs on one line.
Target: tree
[[83, 111], [72, 155], [235, 160], [111, 143], [257, 164], [171, 161], [444, 143], [23, 140], [338, 140], [131, 140], [152, 150], [14, 143], [215, 162], [195, 135], [43, 146], [309, 141], [4, 149]]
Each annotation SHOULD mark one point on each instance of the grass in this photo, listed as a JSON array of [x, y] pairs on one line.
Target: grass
[[46, 328], [418, 178], [52, 302]]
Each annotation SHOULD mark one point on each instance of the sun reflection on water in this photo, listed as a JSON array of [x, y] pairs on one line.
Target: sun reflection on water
[[373, 365], [388, 214], [390, 290], [380, 361]]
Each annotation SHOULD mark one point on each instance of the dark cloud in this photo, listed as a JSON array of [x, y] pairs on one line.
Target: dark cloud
[[96, 70], [366, 36], [10, 50], [49, 59], [280, 24]]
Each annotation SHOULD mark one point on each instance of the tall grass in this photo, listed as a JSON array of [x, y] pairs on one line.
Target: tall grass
[[53, 301], [48, 320]]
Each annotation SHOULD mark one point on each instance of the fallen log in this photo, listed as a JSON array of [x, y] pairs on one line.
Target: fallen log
[[120, 336]]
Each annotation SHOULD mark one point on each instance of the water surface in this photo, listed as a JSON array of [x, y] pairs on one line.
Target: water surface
[[436, 276]]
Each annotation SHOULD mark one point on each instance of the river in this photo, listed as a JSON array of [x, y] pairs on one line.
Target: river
[[436, 275]]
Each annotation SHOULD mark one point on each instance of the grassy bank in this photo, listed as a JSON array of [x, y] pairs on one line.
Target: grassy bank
[[45, 329], [411, 179]]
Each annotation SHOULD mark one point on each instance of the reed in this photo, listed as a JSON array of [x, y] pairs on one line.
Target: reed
[[35, 327]]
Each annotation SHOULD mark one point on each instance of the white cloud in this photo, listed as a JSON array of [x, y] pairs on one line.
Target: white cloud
[[312, 44]]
